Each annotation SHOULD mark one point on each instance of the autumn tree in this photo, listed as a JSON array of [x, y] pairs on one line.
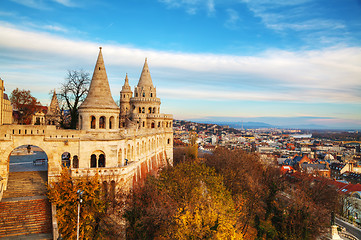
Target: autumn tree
[[25, 103], [73, 92], [274, 206], [93, 208], [188, 201]]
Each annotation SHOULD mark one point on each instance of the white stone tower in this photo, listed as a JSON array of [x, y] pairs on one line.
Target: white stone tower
[[125, 95], [99, 112], [145, 104]]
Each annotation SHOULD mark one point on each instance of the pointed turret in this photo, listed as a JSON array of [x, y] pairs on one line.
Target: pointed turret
[[53, 116], [99, 95], [54, 105], [126, 87], [145, 79], [99, 112]]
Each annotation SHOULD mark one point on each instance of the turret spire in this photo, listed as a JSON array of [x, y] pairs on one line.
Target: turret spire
[[99, 95], [145, 79]]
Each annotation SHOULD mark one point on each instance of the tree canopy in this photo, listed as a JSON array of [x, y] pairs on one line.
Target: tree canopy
[[188, 201], [25, 104]]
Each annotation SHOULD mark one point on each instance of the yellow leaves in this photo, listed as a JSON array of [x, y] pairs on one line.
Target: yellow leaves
[[64, 195]]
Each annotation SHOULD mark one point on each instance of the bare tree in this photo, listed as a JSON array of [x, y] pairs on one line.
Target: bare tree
[[73, 92]]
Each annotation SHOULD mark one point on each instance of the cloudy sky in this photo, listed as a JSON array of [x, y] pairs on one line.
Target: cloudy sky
[[279, 61]]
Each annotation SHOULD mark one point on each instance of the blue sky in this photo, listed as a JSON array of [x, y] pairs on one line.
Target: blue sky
[[228, 59]]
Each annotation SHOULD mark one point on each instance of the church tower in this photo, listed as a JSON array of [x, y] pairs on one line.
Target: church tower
[[145, 104], [53, 116], [125, 95], [99, 112]]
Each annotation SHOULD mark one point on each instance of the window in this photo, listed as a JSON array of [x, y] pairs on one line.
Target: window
[[136, 94], [93, 161], [143, 110], [150, 110], [140, 110], [151, 94], [102, 122], [154, 110], [92, 122], [75, 162], [168, 141], [101, 161], [143, 94], [152, 124]]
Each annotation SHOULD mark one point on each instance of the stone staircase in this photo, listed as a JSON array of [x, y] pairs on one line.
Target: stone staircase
[[24, 184], [25, 211]]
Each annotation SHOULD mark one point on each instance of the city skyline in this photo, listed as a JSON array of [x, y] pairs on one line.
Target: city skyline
[[229, 60]]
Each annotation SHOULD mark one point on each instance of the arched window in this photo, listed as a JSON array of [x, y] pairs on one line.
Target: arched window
[[152, 124], [150, 110], [75, 162], [101, 161], [93, 161], [168, 140], [92, 122], [143, 124], [158, 124], [65, 159], [143, 94], [136, 94], [154, 110], [143, 110], [102, 122], [140, 110], [111, 120]]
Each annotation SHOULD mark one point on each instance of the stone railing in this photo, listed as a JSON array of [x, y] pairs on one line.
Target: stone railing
[[106, 171]]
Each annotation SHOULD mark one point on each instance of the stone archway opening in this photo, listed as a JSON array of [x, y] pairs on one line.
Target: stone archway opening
[[27, 172]]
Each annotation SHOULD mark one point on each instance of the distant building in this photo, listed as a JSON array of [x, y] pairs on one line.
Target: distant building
[[6, 110]]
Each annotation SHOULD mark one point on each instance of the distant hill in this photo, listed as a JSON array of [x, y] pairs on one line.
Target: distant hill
[[246, 125]]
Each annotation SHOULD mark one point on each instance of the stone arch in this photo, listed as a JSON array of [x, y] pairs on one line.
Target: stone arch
[[45, 156], [97, 159]]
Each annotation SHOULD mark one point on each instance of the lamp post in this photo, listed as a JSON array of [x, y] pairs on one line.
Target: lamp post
[[80, 194]]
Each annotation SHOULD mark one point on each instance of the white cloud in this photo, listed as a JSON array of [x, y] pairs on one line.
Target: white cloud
[[328, 75]]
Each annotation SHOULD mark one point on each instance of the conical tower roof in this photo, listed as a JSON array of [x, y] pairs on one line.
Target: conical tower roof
[[126, 87], [54, 105], [99, 95], [145, 79]]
